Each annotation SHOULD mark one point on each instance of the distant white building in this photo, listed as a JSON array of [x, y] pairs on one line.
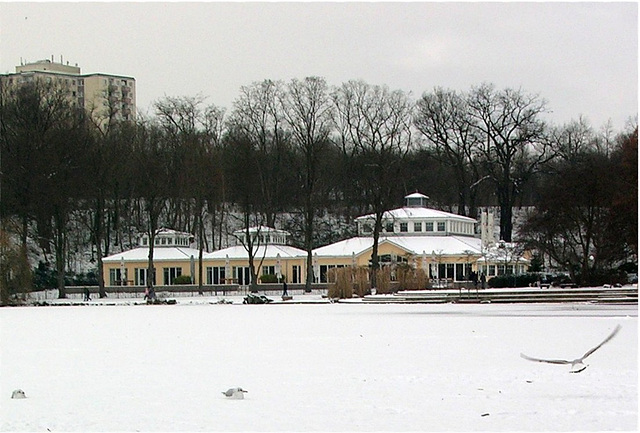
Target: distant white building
[[443, 244], [173, 255], [100, 94], [272, 256]]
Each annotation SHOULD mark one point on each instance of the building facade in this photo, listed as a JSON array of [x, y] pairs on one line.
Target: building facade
[[104, 96], [446, 246]]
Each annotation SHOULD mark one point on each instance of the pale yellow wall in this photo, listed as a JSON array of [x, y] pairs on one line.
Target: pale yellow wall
[[159, 265], [285, 263]]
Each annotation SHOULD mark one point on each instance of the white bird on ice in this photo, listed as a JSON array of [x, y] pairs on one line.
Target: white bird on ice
[[577, 365], [18, 393], [235, 393]]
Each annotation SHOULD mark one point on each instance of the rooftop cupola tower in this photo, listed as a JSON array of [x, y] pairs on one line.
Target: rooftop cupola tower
[[416, 200]]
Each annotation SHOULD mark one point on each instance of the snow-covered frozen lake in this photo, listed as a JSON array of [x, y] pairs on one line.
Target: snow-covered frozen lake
[[329, 367]]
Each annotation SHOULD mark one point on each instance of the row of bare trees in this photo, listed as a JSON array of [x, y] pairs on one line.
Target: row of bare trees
[[298, 148]]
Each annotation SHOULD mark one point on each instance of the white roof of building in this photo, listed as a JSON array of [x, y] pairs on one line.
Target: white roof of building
[[345, 248], [416, 195], [417, 213], [159, 254], [272, 251], [166, 231], [441, 245]]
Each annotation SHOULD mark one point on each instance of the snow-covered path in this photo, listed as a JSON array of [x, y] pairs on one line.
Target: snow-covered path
[[331, 367]]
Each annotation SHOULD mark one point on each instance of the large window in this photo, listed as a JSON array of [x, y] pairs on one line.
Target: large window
[[325, 275], [140, 276], [242, 274], [170, 274], [268, 270], [215, 275], [116, 278], [295, 278]]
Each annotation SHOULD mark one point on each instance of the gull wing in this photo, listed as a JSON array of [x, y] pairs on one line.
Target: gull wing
[[549, 361], [615, 331]]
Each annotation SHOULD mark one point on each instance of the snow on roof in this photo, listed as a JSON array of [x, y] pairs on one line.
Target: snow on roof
[[442, 245], [347, 247], [272, 251], [262, 229], [417, 212], [159, 254], [167, 231], [416, 195]]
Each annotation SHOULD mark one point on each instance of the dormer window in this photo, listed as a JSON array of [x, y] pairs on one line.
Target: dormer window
[[404, 227], [441, 226], [417, 227]]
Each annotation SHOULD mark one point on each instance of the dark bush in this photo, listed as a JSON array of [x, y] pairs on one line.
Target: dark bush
[[44, 277], [268, 279], [524, 280], [182, 279]]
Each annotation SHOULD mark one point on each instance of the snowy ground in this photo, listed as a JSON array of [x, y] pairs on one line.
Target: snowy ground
[[330, 367]]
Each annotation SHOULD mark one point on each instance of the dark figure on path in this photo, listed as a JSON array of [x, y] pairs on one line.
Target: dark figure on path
[[474, 278], [87, 296], [284, 289], [483, 280]]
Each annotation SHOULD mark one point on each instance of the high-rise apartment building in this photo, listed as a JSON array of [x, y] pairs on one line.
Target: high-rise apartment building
[[103, 95]]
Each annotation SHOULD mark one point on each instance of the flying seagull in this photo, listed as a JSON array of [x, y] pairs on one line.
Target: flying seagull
[[577, 365], [235, 393]]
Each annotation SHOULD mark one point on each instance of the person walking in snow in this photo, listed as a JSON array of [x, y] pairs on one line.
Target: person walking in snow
[[474, 278], [284, 288], [87, 295]]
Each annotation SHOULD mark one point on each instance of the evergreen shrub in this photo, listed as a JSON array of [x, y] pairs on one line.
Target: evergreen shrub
[[182, 279]]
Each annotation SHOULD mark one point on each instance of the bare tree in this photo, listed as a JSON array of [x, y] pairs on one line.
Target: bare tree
[[375, 126], [308, 111], [240, 162], [194, 134], [152, 185], [572, 139], [444, 120], [258, 117], [514, 143]]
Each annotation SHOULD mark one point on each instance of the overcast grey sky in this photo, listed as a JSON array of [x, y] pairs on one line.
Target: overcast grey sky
[[581, 57]]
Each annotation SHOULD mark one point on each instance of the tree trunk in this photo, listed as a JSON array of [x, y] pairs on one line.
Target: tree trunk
[[308, 243], [375, 261], [60, 252]]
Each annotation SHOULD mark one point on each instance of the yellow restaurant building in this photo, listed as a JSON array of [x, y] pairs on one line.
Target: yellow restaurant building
[[446, 246]]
